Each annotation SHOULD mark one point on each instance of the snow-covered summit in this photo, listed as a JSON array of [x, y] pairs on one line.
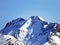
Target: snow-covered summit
[[37, 17]]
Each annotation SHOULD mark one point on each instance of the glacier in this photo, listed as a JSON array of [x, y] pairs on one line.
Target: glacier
[[33, 31]]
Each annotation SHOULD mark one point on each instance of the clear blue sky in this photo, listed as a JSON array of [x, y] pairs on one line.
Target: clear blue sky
[[12, 9]]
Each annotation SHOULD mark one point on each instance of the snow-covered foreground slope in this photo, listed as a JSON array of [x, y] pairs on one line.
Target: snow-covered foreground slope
[[5, 39], [33, 31], [54, 37]]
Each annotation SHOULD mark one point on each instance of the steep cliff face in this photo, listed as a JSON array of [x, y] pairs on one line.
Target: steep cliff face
[[33, 31]]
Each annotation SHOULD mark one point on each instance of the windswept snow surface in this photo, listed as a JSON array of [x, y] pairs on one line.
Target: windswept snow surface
[[33, 31]]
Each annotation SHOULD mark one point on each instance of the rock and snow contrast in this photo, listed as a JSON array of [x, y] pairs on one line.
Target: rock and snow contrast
[[33, 31]]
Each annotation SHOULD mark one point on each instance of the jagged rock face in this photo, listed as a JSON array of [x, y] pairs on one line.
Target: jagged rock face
[[54, 37], [57, 27], [15, 22]]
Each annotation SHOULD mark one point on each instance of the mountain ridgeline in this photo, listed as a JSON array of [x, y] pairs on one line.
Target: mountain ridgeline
[[33, 31]]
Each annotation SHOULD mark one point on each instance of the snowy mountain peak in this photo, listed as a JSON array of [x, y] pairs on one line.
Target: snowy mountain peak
[[33, 31], [32, 20], [37, 17]]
